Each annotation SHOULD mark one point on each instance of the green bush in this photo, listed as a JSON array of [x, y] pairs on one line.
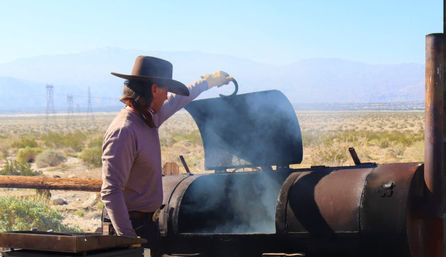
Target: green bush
[[192, 137], [24, 215], [95, 142], [25, 141], [49, 158], [16, 168], [382, 139], [28, 154], [74, 140], [4, 153], [92, 156], [80, 213]]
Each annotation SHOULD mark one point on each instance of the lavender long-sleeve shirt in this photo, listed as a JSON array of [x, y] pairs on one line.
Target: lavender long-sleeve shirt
[[131, 162]]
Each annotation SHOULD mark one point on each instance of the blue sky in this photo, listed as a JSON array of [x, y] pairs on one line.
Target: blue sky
[[278, 32]]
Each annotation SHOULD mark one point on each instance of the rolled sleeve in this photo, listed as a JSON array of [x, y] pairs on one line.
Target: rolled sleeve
[[176, 102]]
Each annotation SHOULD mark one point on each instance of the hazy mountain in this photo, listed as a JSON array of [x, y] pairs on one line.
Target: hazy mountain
[[22, 82]]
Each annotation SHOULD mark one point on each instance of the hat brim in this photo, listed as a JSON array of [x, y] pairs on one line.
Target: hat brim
[[173, 86]]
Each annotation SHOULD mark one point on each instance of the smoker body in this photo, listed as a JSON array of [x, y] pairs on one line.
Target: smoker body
[[326, 211], [366, 210]]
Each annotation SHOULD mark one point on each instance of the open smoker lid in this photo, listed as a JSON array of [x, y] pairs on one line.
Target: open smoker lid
[[248, 130]]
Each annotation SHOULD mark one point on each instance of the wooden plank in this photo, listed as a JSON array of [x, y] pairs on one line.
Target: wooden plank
[[67, 243], [79, 184]]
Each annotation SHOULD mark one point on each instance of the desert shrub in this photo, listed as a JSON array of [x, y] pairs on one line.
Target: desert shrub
[[91, 156], [28, 154], [192, 137], [80, 213], [383, 139], [25, 141], [397, 150], [49, 158], [16, 168], [95, 142], [333, 154], [310, 138], [24, 215], [383, 143], [4, 153], [73, 140]]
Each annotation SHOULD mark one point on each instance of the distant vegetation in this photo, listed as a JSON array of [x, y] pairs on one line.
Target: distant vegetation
[[34, 146], [380, 136], [27, 144]]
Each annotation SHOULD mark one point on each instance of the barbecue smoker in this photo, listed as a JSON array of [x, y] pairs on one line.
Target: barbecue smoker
[[368, 209], [361, 210]]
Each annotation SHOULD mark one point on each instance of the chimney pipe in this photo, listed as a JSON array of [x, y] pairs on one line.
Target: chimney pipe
[[433, 144], [433, 140]]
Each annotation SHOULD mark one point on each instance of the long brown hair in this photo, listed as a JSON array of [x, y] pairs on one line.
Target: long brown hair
[[138, 95]]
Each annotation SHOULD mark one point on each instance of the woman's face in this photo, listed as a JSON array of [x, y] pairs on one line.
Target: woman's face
[[159, 97]]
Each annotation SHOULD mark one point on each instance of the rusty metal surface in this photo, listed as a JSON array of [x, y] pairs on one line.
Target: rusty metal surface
[[248, 130], [387, 203], [434, 138], [368, 211], [231, 203], [434, 159], [67, 243], [324, 202], [173, 190]]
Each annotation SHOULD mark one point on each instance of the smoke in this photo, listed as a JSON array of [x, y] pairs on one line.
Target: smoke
[[231, 203], [251, 130]]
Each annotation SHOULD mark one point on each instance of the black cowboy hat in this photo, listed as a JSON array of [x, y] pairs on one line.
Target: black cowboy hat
[[156, 71]]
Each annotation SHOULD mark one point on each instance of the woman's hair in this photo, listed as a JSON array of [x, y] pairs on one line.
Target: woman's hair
[[134, 89], [138, 95]]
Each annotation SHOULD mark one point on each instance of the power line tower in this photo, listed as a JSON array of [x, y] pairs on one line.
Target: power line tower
[[89, 106], [70, 109], [49, 100]]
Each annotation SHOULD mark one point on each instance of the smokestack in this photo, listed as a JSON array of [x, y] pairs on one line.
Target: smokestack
[[433, 147], [433, 142]]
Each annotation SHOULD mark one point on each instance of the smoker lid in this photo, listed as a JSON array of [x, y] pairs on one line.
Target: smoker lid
[[248, 130]]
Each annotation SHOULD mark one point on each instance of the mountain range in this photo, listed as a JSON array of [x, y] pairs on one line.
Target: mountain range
[[23, 81]]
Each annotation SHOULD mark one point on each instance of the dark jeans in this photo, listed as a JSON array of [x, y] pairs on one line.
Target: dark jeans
[[145, 228]]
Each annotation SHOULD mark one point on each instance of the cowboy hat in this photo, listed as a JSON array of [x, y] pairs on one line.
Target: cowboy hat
[[156, 71]]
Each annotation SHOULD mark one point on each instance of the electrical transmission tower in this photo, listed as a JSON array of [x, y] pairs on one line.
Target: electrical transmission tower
[[49, 100], [70, 109], [89, 106]]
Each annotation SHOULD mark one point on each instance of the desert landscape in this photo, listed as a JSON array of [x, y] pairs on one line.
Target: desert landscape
[[69, 146]]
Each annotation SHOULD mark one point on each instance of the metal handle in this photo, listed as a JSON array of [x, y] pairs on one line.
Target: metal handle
[[235, 91], [354, 156], [185, 165]]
